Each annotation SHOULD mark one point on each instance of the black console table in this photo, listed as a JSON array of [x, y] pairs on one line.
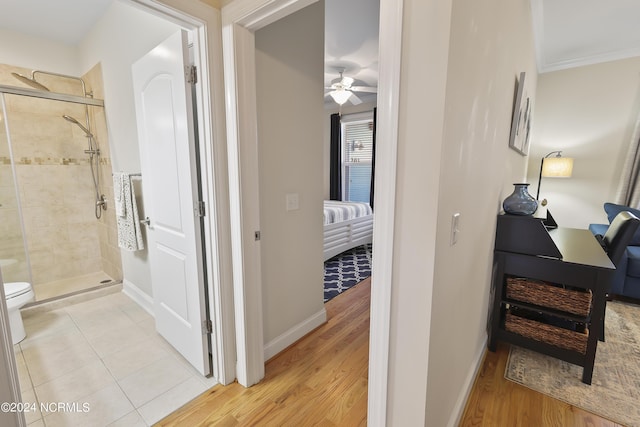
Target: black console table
[[534, 249]]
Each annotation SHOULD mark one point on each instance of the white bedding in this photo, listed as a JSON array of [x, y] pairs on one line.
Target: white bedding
[[336, 211]]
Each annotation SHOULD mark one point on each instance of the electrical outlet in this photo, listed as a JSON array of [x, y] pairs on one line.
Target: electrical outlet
[[455, 228]]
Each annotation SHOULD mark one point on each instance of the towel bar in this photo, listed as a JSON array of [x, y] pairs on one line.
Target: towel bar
[[132, 174]]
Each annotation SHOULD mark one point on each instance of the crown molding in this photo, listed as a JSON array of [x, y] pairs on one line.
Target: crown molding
[[587, 60]]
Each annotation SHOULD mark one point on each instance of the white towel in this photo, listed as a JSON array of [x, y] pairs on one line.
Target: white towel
[[118, 192], [129, 233]]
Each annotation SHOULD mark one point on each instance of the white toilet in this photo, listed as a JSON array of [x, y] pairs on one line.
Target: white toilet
[[17, 294]]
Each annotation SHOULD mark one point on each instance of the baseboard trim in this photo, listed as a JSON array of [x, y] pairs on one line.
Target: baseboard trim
[[458, 410], [284, 340], [140, 297]]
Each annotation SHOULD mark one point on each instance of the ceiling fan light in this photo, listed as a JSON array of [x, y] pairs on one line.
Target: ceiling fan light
[[340, 96]]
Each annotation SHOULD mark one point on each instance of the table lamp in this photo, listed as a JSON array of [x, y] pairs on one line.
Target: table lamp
[[554, 167]]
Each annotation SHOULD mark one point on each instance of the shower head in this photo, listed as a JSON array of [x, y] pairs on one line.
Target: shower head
[[74, 121], [30, 81]]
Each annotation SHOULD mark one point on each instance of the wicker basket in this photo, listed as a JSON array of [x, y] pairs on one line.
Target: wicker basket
[[543, 332], [575, 301]]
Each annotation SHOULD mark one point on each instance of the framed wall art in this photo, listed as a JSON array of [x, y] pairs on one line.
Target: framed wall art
[[521, 118]]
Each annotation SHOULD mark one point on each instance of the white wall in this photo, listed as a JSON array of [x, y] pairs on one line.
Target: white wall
[[491, 43], [123, 35], [424, 53], [289, 68], [453, 156], [589, 113], [37, 53]]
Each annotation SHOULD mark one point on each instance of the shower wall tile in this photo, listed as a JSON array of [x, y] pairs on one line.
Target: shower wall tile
[[41, 196], [93, 80], [51, 108], [81, 213], [4, 143], [47, 238], [8, 198], [84, 231], [88, 264], [13, 255], [111, 258], [44, 136], [6, 176], [10, 229], [42, 265], [41, 216]]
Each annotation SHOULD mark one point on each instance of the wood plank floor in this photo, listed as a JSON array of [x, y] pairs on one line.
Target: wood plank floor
[[322, 380], [495, 401]]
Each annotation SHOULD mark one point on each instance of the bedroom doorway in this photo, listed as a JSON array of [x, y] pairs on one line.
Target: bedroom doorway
[[247, 180], [348, 245], [240, 20]]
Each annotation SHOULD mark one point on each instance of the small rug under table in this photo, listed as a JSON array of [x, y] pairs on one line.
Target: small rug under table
[[615, 390], [346, 270]]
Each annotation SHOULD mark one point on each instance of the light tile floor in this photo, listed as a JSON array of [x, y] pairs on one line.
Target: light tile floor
[[106, 354]]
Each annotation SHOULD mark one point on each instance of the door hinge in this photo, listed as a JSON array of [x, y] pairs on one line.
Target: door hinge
[[200, 208], [191, 71], [207, 327]]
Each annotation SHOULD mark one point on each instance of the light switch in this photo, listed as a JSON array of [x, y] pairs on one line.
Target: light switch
[[293, 202], [455, 228]]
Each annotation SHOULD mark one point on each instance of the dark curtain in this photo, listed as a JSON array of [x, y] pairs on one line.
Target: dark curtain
[[373, 158], [629, 188], [335, 168]]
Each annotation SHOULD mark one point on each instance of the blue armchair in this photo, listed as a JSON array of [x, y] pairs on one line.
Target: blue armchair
[[626, 280]]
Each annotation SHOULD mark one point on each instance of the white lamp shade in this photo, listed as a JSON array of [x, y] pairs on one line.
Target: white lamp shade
[[340, 96], [557, 167]]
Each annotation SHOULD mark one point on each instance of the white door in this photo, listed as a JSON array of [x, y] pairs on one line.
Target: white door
[[169, 188]]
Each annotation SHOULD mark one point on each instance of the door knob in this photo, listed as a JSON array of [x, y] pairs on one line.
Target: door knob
[[146, 221]]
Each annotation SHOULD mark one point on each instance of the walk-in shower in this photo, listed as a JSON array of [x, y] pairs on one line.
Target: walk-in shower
[[49, 233]]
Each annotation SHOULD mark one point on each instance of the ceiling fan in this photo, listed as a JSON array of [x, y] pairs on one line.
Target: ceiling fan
[[342, 90]]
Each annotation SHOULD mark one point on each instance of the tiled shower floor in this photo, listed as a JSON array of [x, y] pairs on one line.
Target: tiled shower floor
[[66, 286], [105, 353]]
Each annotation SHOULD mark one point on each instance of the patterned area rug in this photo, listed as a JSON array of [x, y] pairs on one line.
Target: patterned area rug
[[345, 270], [615, 390]]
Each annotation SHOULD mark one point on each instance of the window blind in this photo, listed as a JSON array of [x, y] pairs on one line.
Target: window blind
[[358, 141]]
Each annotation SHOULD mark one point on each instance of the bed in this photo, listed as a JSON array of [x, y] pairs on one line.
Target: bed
[[346, 225]]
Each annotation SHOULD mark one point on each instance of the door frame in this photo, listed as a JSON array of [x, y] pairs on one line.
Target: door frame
[[240, 20], [204, 23]]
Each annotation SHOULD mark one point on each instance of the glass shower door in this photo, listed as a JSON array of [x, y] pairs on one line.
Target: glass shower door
[[14, 261]]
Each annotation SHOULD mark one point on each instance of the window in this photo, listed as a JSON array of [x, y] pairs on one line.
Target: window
[[357, 151]]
